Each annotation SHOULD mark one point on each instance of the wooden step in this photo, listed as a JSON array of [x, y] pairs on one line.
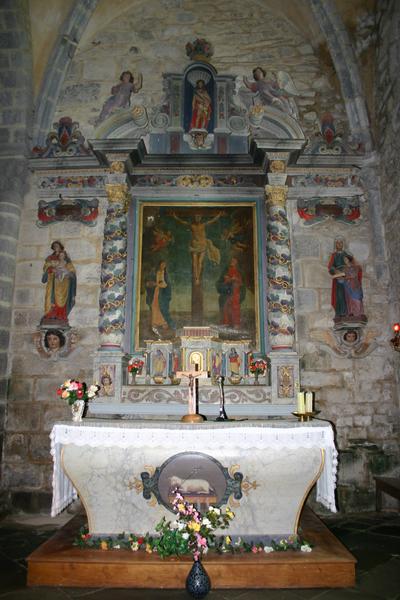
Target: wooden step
[[58, 563]]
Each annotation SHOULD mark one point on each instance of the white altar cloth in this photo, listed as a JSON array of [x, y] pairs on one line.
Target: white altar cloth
[[243, 435]]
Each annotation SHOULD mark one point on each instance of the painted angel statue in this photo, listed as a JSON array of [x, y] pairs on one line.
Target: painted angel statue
[[121, 94], [277, 92]]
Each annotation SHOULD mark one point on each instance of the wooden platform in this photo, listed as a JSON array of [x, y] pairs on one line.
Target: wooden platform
[[58, 563]]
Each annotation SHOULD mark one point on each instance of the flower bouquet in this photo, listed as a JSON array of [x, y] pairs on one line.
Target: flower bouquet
[[191, 532], [77, 393]]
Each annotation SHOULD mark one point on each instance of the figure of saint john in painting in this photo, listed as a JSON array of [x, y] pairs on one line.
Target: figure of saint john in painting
[[201, 107], [200, 245], [277, 92], [60, 279], [158, 298], [121, 95], [231, 293]]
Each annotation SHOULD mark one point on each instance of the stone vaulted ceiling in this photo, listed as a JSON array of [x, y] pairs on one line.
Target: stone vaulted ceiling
[[101, 39]]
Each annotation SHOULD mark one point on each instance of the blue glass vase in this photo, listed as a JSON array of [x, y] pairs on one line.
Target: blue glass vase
[[198, 582]]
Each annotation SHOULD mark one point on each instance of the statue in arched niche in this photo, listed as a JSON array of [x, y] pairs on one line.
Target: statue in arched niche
[[199, 109]]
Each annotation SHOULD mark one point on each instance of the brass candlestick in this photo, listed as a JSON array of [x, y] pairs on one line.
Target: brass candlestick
[[306, 416]]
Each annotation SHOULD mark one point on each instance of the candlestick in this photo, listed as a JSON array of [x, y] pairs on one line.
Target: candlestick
[[301, 407], [309, 402]]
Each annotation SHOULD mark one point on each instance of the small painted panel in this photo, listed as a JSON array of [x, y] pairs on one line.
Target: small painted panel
[[200, 478]]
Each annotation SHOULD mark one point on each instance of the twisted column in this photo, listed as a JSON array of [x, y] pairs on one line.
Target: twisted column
[[114, 261], [281, 322]]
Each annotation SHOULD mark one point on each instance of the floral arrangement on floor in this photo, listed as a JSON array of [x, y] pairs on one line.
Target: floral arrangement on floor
[[190, 533], [135, 366], [73, 390], [257, 366]]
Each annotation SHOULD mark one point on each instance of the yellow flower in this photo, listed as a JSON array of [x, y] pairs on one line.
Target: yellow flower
[[65, 394], [229, 513], [134, 546], [104, 545], [194, 526], [228, 540], [148, 549], [181, 507]]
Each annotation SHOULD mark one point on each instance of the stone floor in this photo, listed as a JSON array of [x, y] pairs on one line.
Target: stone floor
[[374, 539]]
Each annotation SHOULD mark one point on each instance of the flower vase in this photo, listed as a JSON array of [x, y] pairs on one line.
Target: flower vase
[[77, 409], [256, 382], [133, 378], [198, 582]]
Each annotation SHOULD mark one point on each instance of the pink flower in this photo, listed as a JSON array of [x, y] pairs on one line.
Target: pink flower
[[254, 549], [196, 555]]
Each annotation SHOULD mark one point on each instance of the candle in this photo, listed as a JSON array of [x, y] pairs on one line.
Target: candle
[[301, 408], [309, 402]]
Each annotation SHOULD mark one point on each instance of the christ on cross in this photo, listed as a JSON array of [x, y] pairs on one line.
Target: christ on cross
[[192, 415], [200, 245]]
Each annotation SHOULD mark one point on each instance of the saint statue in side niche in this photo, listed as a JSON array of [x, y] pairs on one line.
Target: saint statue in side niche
[[347, 293], [60, 279], [201, 107], [121, 95]]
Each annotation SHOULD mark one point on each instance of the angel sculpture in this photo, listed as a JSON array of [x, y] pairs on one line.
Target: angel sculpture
[[121, 94], [277, 92]]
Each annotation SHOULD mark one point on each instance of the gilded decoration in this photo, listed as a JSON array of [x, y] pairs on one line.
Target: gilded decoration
[[117, 193], [117, 166], [277, 166], [285, 381], [276, 194], [195, 181]]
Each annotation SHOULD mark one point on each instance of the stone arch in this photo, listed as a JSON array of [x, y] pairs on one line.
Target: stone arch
[[344, 59], [57, 67], [327, 17]]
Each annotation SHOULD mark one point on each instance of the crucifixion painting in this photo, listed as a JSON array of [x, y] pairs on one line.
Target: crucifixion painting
[[197, 266]]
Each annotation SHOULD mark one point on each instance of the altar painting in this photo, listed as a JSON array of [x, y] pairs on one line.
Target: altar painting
[[197, 265]]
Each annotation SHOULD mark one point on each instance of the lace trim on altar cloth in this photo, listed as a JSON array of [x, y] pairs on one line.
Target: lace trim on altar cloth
[[195, 437]]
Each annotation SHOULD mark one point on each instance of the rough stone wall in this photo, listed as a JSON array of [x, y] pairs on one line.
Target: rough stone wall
[[388, 139], [33, 405], [155, 44], [15, 116], [356, 394]]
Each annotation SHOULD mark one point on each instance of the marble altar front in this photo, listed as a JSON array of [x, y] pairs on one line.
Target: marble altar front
[[124, 472]]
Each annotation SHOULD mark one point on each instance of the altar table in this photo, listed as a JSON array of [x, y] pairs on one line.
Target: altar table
[[267, 468]]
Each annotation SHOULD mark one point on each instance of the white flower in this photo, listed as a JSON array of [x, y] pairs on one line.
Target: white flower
[[206, 521], [117, 546], [306, 548], [268, 549], [205, 549], [180, 526], [215, 510], [185, 535]]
